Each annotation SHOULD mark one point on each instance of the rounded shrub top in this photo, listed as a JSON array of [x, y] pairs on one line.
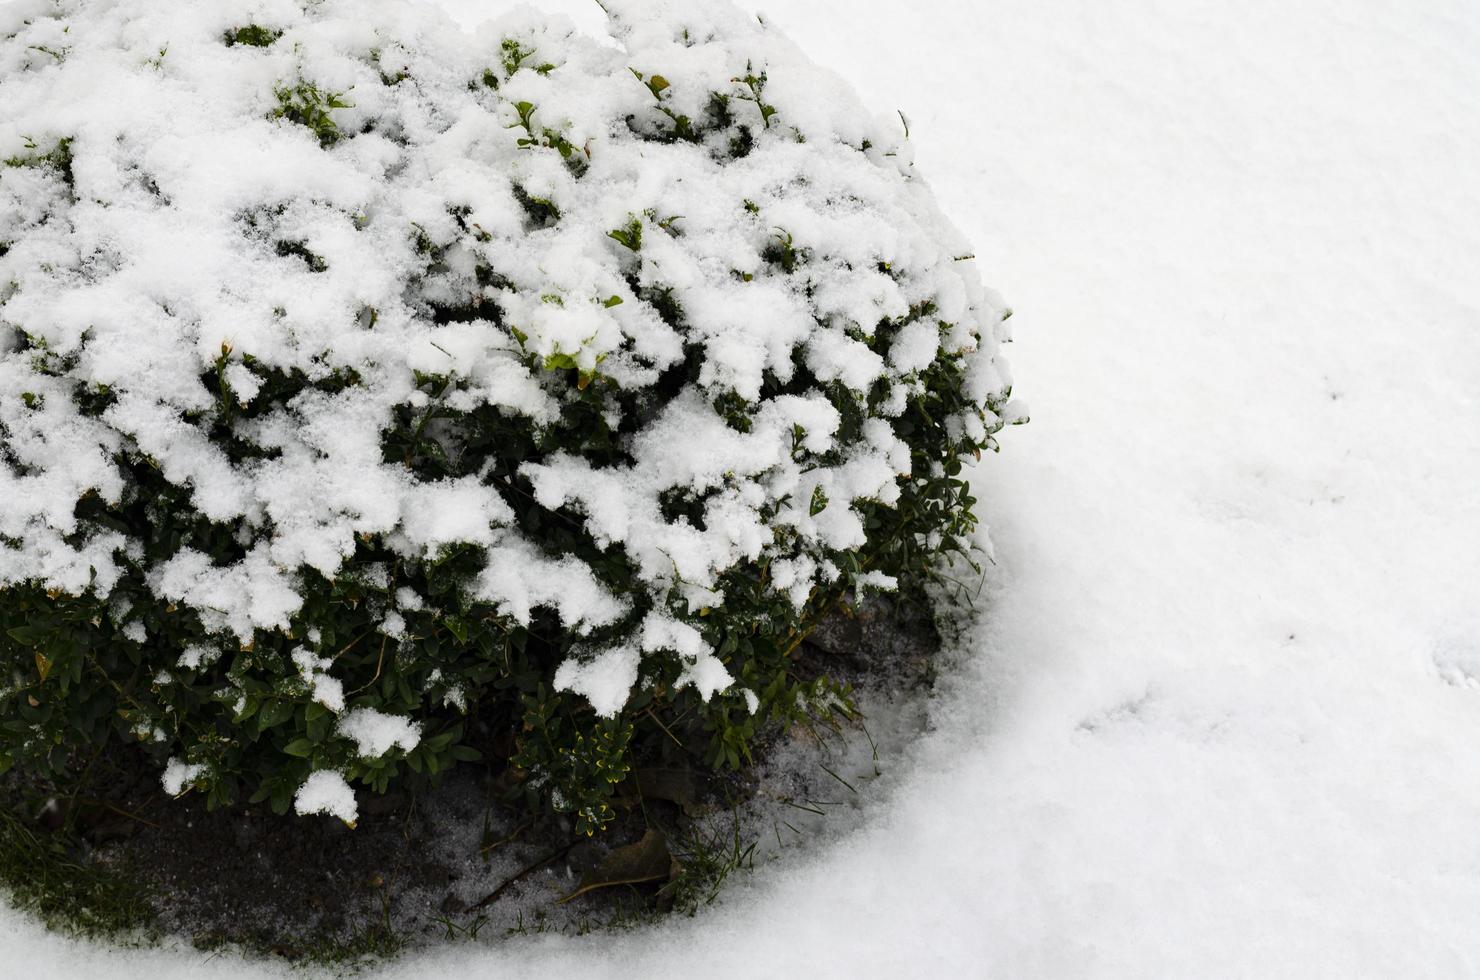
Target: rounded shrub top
[[357, 373]]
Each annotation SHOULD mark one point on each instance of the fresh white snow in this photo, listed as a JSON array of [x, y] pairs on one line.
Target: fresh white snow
[[1221, 717], [375, 733], [327, 792], [178, 775]]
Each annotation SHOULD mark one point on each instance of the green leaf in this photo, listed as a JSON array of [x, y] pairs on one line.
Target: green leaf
[[274, 713], [29, 636], [819, 501], [318, 728]]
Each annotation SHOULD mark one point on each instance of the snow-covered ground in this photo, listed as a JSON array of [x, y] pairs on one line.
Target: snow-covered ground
[[1223, 718]]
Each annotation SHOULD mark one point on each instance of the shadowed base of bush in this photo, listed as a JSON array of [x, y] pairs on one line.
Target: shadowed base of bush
[[118, 859]]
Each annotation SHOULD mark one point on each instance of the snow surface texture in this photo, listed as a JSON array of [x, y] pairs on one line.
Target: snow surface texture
[[218, 236], [1222, 718]]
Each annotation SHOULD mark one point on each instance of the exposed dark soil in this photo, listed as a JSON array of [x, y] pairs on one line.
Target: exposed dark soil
[[246, 876]]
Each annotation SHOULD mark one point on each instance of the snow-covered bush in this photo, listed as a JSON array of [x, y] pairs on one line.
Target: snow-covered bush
[[363, 383]]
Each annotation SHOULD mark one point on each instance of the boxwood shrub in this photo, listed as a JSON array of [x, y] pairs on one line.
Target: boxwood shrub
[[365, 383]]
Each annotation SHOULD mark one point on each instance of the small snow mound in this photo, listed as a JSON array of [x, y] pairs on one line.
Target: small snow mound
[[178, 776], [376, 733], [326, 792], [604, 680]]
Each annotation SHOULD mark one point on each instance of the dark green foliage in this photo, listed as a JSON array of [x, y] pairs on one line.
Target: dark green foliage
[[629, 235], [300, 250], [592, 761], [546, 137], [755, 87], [514, 56], [58, 159], [306, 105], [253, 35]]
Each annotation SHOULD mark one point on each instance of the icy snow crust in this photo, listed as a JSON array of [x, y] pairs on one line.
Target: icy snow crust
[[198, 232]]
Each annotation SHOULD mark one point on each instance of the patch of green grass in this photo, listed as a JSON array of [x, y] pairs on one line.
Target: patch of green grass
[[707, 858], [44, 875], [365, 946]]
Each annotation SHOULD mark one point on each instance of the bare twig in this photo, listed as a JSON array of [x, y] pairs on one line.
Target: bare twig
[[519, 875]]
